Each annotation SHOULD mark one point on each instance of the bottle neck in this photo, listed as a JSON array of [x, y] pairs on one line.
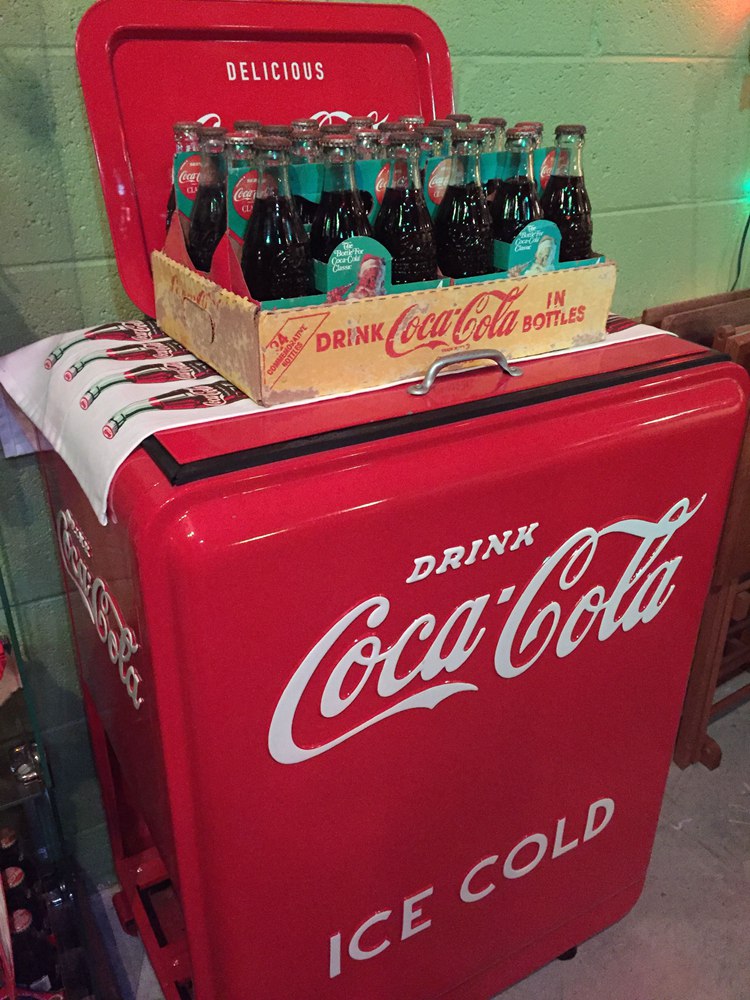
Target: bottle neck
[[404, 171], [213, 169], [339, 175], [464, 163], [568, 158], [186, 143], [521, 164], [273, 178]]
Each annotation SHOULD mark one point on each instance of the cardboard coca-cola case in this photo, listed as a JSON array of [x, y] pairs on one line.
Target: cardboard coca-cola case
[[279, 355]]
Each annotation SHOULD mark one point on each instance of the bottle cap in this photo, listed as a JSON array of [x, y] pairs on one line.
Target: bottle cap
[[459, 119], [271, 142], [334, 128], [499, 122], [570, 130], [361, 121], [334, 141], [247, 125], [212, 132], [431, 132], [537, 126], [304, 123], [185, 127], [411, 120], [276, 129]]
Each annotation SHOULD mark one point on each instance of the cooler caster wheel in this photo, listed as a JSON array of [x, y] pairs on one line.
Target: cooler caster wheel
[[567, 955], [124, 914]]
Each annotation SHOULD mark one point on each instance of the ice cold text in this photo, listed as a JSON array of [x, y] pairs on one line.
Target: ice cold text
[[387, 926]]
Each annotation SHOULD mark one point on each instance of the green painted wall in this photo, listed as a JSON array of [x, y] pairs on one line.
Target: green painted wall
[[668, 168]]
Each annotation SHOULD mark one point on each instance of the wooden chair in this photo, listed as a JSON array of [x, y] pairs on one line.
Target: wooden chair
[[722, 654]]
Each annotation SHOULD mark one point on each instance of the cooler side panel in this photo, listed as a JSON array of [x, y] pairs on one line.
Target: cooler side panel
[[102, 586]]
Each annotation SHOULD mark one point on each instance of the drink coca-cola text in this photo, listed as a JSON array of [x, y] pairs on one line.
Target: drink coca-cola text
[[557, 610]]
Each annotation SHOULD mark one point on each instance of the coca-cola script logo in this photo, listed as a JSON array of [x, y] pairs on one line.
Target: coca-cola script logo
[[334, 117], [438, 181], [381, 182], [490, 314], [244, 192], [188, 175], [117, 637], [562, 605], [548, 163]]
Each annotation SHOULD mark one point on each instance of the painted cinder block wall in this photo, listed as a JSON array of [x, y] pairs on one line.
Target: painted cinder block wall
[[668, 168]]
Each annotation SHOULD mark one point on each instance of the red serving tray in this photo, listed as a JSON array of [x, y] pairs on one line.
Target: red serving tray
[[145, 64]]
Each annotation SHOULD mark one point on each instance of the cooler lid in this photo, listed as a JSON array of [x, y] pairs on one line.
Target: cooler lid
[[261, 439], [145, 64]]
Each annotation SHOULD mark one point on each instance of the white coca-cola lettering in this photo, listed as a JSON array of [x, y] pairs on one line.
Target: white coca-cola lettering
[[117, 637], [638, 596], [332, 117], [487, 316], [381, 183]]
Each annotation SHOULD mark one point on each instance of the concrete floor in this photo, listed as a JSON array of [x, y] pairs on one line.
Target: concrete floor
[[687, 938]]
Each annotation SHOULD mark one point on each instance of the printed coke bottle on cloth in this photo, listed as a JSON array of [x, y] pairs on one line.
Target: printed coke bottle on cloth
[[219, 393], [340, 214], [128, 330], [128, 352], [208, 219], [168, 371], [276, 259], [463, 225], [186, 140], [565, 200], [516, 201], [403, 224], [33, 956]]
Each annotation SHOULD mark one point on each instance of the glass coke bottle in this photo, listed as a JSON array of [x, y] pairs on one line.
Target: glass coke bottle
[[463, 225], [304, 149], [276, 258], [208, 219], [340, 214], [497, 145], [186, 140], [403, 224], [448, 127], [565, 200], [516, 201]]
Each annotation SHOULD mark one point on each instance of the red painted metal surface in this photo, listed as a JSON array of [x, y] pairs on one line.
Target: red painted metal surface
[[321, 818], [145, 64]]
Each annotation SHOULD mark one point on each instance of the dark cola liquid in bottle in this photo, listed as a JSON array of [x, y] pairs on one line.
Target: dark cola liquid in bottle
[[168, 371], [208, 219], [565, 200], [128, 352], [305, 150], [127, 330], [516, 202], [186, 140], [276, 259], [403, 224], [463, 225], [340, 214], [196, 397]]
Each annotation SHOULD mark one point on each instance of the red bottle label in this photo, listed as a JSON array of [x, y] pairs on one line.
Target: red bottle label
[[244, 193]]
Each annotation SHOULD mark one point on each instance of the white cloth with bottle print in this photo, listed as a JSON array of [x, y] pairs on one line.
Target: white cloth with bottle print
[[96, 394]]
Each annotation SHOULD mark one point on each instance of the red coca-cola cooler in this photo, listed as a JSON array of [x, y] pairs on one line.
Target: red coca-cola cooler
[[382, 689]]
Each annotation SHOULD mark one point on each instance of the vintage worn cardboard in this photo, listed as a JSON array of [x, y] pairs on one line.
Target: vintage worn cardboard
[[291, 354]]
